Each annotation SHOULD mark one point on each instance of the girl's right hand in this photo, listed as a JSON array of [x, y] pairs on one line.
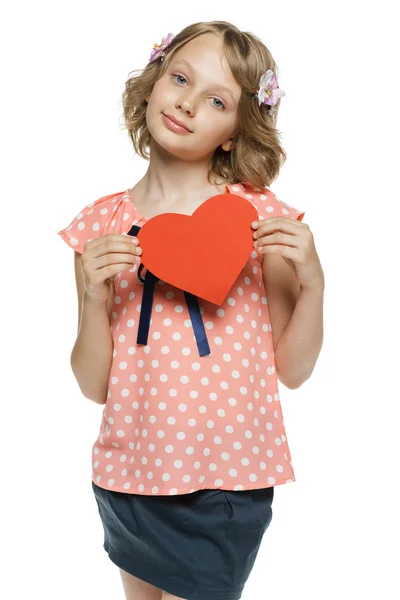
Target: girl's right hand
[[103, 258]]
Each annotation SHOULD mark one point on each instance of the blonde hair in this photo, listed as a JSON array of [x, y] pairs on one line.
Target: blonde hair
[[257, 155]]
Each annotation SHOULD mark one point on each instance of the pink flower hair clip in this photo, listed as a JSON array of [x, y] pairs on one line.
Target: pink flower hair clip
[[269, 91], [158, 50]]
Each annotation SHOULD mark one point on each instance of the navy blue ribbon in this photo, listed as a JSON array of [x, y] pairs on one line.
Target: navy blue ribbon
[[149, 282]]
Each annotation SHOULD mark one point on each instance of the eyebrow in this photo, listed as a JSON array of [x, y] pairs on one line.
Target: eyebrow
[[221, 87]]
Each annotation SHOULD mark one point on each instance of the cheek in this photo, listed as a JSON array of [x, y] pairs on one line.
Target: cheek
[[216, 128], [210, 120], [157, 95]]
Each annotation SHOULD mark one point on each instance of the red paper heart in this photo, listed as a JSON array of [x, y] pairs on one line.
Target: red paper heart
[[203, 253]]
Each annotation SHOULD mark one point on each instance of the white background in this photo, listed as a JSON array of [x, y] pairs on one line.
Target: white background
[[335, 530]]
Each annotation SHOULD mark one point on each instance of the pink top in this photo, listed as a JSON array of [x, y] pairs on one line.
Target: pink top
[[175, 422]]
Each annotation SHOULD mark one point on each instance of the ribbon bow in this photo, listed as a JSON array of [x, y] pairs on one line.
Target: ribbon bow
[[147, 303]]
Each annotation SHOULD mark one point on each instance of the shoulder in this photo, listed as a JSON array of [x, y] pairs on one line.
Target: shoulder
[[113, 213], [265, 201]]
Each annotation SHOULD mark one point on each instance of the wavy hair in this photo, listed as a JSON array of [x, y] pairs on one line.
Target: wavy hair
[[257, 154]]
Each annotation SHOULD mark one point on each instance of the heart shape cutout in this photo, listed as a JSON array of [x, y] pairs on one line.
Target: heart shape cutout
[[203, 253]]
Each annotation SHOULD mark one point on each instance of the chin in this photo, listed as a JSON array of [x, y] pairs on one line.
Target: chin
[[178, 150]]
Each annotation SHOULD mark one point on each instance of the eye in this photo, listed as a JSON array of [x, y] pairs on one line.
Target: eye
[[221, 103], [181, 76], [220, 107]]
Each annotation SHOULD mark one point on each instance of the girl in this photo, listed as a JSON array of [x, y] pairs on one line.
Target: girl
[[191, 447]]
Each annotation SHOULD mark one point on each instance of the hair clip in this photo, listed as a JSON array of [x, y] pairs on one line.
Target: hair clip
[[158, 50], [269, 92]]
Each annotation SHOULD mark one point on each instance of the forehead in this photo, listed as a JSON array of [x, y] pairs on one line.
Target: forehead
[[205, 55], [207, 48]]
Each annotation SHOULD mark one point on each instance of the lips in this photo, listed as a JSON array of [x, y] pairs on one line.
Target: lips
[[177, 121]]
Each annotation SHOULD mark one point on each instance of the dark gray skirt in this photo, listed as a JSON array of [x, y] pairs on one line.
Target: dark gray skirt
[[199, 546]]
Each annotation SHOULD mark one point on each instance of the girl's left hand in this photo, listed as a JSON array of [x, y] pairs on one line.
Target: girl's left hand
[[294, 241]]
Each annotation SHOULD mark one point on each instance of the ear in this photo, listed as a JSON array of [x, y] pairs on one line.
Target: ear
[[228, 145]]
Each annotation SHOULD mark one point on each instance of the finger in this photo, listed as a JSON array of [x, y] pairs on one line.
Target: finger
[[112, 259], [108, 247], [111, 271], [116, 237], [276, 223], [111, 238], [285, 251], [277, 238]]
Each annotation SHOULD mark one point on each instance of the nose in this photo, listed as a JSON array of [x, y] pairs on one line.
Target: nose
[[186, 105]]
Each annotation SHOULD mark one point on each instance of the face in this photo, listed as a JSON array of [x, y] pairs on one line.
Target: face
[[199, 90]]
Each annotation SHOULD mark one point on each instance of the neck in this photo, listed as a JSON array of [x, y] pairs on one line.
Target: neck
[[171, 181]]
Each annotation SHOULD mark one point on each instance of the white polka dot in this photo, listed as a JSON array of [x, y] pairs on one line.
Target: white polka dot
[[173, 417]]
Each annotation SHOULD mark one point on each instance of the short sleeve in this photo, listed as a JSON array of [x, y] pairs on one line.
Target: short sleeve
[[271, 206], [108, 214], [265, 201]]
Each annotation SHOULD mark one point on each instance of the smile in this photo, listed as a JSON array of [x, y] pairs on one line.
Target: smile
[[173, 126]]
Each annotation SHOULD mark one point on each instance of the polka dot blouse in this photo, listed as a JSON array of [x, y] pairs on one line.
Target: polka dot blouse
[[175, 422]]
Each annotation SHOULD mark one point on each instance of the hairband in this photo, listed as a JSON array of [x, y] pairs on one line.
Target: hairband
[[268, 93]]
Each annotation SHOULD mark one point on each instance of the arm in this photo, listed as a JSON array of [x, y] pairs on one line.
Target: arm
[[91, 356], [297, 320]]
